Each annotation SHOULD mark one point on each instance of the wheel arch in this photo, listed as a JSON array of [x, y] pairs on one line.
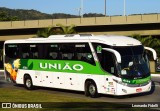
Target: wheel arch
[[90, 79], [25, 76]]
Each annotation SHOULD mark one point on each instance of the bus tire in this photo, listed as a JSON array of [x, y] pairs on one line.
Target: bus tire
[[91, 89], [86, 92], [28, 82]]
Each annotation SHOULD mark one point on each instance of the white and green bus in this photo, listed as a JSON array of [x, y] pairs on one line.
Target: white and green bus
[[106, 64]]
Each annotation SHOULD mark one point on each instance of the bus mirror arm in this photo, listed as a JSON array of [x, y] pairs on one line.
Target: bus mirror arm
[[153, 52], [116, 53]]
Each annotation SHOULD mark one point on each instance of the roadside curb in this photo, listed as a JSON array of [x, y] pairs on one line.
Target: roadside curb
[[155, 75]]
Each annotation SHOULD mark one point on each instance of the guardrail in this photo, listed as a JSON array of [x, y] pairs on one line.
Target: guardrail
[[88, 21]]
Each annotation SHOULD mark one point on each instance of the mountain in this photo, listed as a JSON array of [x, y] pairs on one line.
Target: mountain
[[23, 14]]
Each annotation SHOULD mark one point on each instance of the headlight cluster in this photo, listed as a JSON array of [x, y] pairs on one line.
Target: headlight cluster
[[131, 85], [120, 82]]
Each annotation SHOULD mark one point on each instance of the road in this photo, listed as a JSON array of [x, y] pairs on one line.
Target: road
[[153, 96]]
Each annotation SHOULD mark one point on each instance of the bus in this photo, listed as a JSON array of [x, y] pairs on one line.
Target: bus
[[95, 64]]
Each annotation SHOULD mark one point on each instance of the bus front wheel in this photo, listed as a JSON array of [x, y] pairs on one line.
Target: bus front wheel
[[28, 82], [91, 89]]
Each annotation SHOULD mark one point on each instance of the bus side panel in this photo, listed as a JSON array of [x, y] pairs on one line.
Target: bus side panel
[[36, 77], [20, 75], [90, 77], [47, 78], [108, 86], [36, 80], [74, 81], [63, 80], [58, 80]]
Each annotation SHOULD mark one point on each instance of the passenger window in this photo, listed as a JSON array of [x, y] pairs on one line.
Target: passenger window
[[31, 51], [84, 53], [12, 51], [25, 55], [67, 56], [67, 51], [51, 51], [53, 55], [34, 52], [25, 51]]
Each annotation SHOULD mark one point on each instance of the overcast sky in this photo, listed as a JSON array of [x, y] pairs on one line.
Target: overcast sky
[[114, 7]]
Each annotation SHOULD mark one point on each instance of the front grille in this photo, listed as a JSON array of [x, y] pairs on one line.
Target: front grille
[[137, 85]]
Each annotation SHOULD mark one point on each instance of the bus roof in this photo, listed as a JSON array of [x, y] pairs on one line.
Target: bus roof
[[112, 40]]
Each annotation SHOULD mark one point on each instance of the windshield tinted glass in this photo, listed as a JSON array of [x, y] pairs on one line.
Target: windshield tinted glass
[[133, 64]]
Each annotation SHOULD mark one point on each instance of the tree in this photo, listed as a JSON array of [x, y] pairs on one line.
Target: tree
[[46, 32], [14, 18], [4, 16], [149, 42], [67, 29]]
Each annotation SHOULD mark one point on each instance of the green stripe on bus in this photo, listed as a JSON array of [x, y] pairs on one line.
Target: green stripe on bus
[[62, 66], [137, 81]]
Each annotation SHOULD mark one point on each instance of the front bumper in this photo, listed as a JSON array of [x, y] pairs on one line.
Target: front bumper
[[126, 90]]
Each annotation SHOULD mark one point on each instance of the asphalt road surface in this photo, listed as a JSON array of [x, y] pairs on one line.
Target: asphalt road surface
[[153, 96]]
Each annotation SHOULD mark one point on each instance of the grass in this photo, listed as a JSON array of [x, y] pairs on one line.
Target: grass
[[17, 95], [79, 104]]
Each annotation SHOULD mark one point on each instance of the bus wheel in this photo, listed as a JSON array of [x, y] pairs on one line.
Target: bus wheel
[[91, 89], [28, 82]]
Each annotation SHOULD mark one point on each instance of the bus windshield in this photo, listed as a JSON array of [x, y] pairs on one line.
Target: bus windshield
[[134, 64]]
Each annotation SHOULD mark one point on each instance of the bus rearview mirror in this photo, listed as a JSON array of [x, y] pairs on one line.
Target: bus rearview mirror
[[116, 53]]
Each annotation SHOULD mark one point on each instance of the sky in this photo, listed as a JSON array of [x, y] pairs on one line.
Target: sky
[[114, 7]]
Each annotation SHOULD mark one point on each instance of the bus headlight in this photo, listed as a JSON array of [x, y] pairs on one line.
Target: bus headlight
[[120, 82], [125, 91]]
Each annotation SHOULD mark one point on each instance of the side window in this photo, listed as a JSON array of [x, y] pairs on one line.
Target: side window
[[34, 51], [25, 50], [67, 51], [84, 53], [12, 51], [105, 58], [51, 51], [98, 49], [31, 51], [108, 62], [58, 51]]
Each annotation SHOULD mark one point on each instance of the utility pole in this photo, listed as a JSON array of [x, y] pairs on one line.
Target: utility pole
[[105, 13], [124, 8], [81, 8], [79, 11]]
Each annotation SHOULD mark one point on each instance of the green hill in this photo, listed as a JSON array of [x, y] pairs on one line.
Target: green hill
[[22, 14]]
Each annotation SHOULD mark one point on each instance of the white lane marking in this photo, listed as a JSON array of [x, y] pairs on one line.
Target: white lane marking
[[156, 85]]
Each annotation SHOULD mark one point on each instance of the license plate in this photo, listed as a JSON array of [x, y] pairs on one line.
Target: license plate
[[139, 90]]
